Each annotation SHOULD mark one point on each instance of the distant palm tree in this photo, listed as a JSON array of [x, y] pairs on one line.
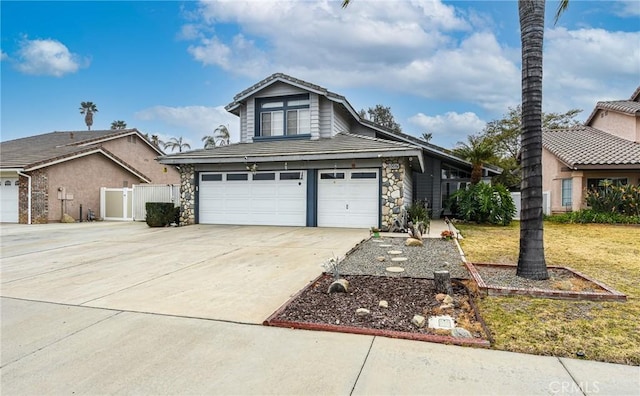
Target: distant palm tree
[[176, 143], [209, 141], [88, 108], [118, 124], [477, 151], [222, 135]]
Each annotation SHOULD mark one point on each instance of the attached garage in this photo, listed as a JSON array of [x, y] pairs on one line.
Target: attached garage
[[348, 198], [8, 200], [247, 198]]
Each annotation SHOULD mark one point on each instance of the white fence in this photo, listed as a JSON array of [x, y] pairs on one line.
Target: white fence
[[546, 203], [143, 193]]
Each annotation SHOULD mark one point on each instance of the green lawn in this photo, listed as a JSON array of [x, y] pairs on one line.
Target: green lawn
[[604, 331]]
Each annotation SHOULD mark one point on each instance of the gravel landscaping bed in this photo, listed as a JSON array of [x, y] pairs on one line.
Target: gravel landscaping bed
[[422, 261], [559, 279]]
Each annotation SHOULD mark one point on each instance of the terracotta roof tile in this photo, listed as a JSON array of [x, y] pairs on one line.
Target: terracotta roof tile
[[584, 145]]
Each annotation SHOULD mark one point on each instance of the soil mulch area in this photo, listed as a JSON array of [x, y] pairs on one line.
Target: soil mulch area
[[406, 297], [422, 261]]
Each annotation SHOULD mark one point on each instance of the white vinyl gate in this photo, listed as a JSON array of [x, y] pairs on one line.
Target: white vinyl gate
[[143, 193], [546, 203], [126, 204]]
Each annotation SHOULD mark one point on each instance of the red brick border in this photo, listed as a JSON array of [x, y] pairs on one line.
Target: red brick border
[[609, 294], [273, 321]]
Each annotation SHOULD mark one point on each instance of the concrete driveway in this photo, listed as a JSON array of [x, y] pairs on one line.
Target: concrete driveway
[[233, 273], [119, 308]]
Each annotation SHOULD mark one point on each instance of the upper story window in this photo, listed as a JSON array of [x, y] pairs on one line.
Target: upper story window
[[283, 116]]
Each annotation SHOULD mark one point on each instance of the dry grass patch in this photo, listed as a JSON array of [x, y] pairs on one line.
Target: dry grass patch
[[605, 331]]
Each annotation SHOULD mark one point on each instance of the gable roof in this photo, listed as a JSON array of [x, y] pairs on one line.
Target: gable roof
[[432, 149], [296, 82], [630, 107], [38, 151], [341, 146], [585, 147]]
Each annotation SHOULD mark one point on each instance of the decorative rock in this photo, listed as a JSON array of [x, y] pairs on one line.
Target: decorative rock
[[446, 306], [418, 320], [339, 286], [399, 259], [380, 258], [67, 219], [394, 252], [460, 332], [383, 304], [395, 269], [440, 297], [448, 299], [441, 322], [413, 242], [362, 312]]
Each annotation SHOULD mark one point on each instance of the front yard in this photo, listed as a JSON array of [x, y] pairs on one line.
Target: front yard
[[604, 331]]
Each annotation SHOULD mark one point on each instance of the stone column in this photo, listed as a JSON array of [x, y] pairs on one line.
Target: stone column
[[393, 170], [187, 195]]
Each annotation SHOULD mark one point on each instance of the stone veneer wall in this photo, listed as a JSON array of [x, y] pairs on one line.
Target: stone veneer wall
[[39, 198], [393, 173], [187, 195]]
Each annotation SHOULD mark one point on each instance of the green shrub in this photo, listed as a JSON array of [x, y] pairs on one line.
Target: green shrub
[[160, 214], [592, 216], [417, 211], [484, 203], [611, 198]]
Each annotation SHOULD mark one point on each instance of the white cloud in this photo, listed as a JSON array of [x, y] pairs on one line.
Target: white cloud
[[449, 128], [3, 55], [47, 57], [581, 66], [627, 8], [191, 122]]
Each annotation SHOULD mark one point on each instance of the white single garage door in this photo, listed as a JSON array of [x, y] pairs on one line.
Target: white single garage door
[[8, 200], [348, 198], [263, 198]]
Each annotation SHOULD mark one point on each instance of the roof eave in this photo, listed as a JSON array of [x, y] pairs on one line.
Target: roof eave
[[414, 153]]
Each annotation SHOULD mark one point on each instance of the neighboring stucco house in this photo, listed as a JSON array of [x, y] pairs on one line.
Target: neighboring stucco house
[[37, 171], [306, 158], [607, 146]]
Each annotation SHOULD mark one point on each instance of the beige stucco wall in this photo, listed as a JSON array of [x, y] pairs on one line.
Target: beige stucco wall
[[622, 125], [83, 178], [553, 174], [141, 156]]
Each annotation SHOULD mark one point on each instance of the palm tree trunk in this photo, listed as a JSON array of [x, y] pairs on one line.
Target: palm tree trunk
[[88, 119], [531, 261]]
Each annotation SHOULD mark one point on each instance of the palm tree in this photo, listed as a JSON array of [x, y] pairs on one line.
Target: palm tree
[[531, 260], [222, 135], [176, 143], [118, 124], [477, 151], [209, 141], [88, 108]]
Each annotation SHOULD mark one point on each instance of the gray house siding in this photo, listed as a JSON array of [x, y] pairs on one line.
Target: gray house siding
[[427, 185], [249, 116], [407, 186], [280, 89], [364, 131], [340, 122], [325, 116], [314, 113], [243, 124]]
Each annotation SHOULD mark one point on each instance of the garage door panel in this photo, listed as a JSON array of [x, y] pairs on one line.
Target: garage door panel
[[348, 198], [257, 199], [9, 200]]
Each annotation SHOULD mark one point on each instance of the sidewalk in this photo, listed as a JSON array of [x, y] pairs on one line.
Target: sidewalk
[[81, 350]]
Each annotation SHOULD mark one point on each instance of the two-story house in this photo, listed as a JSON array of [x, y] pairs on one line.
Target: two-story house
[[306, 158], [607, 146]]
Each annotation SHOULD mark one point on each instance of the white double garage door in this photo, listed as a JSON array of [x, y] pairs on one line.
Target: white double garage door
[[341, 198]]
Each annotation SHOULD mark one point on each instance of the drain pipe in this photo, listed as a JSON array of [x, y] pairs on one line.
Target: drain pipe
[[28, 196]]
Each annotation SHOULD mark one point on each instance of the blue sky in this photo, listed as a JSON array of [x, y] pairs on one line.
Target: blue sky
[[169, 67]]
